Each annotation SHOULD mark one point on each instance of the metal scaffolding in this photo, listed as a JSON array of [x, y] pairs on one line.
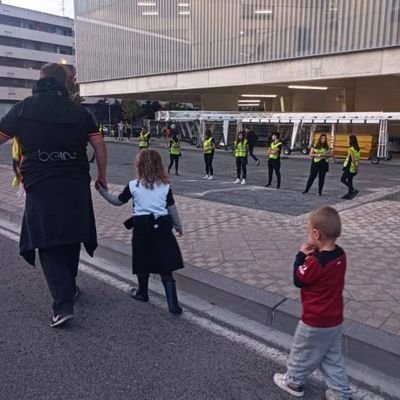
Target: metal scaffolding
[[297, 120]]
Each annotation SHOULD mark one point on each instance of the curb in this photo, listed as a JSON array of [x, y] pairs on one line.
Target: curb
[[362, 344]]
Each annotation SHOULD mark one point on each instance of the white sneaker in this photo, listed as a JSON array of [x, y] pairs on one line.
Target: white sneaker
[[280, 381], [237, 181], [210, 178], [205, 177], [243, 182]]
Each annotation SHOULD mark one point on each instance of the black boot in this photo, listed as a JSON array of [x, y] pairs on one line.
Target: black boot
[[142, 294], [172, 298]]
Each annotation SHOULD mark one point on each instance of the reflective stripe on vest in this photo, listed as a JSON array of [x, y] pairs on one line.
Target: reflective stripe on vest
[[322, 151], [144, 140], [207, 146], [354, 161], [241, 148], [174, 148], [274, 146]]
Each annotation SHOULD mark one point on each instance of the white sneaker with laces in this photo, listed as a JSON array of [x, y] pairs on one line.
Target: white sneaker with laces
[[280, 381], [237, 181], [205, 177], [210, 178], [243, 182]]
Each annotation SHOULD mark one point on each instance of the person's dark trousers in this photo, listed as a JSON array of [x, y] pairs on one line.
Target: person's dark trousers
[[317, 169], [60, 268], [241, 169], [347, 179], [251, 150], [208, 159], [173, 159], [274, 165]]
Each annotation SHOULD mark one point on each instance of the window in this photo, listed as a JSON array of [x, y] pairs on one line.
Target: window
[[35, 25], [34, 45], [18, 83]]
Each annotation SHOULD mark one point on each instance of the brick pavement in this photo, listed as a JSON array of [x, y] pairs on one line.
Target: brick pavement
[[257, 247]]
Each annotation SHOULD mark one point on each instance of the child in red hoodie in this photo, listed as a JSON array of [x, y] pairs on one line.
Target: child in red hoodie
[[319, 271]]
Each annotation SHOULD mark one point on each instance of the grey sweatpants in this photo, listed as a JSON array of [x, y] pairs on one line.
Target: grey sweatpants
[[321, 348]]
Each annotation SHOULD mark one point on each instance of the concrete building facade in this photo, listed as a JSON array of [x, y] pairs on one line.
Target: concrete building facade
[[222, 54], [28, 40]]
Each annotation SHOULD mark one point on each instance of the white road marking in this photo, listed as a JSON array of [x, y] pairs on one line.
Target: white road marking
[[254, 345]]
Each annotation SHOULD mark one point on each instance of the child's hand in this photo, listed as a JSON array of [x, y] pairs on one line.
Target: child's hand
[[307, 249], [179, 233]]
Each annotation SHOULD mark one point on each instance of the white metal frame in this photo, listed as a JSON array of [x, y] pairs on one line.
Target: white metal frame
[[297, 119]]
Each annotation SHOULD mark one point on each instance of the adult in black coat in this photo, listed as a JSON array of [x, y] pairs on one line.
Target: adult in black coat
[[252, 140], [54, 132]]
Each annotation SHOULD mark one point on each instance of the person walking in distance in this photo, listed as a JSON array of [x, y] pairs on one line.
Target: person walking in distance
[[208, 150], [319, 270], [54, 132], [241, 151], [120, 129], [252, 140], [154, 246], [274, 160], [350, 167], [319, 164], [144, 139], [174, 153]]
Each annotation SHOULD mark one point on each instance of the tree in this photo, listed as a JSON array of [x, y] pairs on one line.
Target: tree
[[150, 108], [131, 109], [73, 86], [178, 106]]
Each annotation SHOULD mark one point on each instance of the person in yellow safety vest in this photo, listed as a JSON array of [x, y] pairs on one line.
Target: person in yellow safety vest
[[208, 150], [174, 153], [274, 160], [350, 167], [144, 139], [241, 151], [319, 163]]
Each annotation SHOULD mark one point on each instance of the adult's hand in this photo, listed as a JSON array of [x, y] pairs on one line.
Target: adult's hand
[[101, 183], [100, 151]]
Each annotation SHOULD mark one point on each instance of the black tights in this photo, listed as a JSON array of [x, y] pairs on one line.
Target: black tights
[[173, 159], [317, 169], [347, 179], [274, 165], [165, 276]]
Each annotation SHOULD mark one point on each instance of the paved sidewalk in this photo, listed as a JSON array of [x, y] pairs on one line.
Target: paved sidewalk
[[258, 247]]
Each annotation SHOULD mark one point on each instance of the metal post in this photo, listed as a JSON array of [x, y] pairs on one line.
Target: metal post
[[333, 141], [109, 118], [225, 130], [296, 127]]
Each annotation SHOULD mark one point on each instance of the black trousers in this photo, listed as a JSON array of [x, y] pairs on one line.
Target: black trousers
[[317, 169], [251, 150], [347, 179], [60, 268], [208, 160], [241, 167], [274, 165], [173, 159]]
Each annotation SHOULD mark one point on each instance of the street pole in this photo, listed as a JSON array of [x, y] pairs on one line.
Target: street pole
[[109, 118]]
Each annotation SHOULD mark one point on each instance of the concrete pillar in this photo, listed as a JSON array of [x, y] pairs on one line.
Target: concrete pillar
[[219, 102]]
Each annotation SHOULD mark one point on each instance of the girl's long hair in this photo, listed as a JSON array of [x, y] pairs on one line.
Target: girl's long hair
[[354, 142], [150, 170], [319, 144], [243, 136]]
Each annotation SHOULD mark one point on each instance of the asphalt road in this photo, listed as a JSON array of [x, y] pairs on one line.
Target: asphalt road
[[288, 200], [116, 348]]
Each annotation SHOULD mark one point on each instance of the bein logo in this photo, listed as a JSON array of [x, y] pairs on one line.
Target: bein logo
[[56, 156]]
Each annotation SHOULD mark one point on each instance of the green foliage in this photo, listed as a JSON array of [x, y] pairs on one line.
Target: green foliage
[[131, 109]]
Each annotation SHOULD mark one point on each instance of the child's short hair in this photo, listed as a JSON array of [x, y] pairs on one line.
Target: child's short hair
[[327, 221]]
